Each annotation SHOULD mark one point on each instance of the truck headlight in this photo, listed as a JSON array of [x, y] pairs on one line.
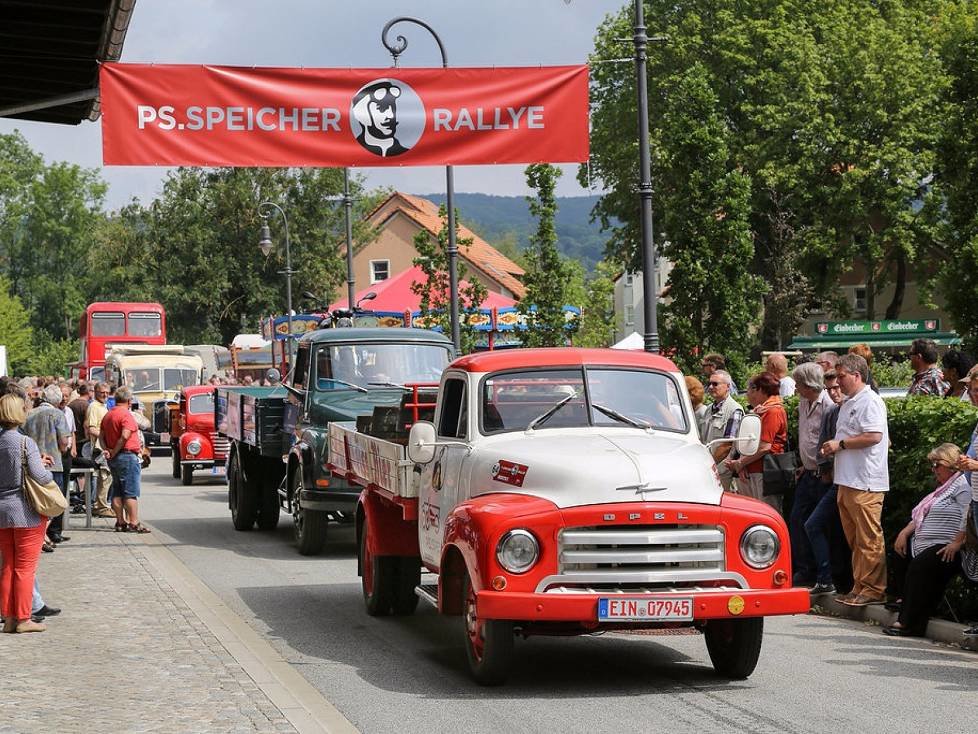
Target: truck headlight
[[759, 546], [193, 447], [517, 551]]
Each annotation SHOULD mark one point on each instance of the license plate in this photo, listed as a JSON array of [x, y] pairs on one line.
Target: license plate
[[644, 609], [217, 470], [164, 438]]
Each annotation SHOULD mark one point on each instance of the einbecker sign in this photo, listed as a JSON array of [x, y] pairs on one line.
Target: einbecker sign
[[828, 328], [231, 116]]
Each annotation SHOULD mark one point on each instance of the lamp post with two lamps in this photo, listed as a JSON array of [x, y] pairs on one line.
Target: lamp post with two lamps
[[265, 245]]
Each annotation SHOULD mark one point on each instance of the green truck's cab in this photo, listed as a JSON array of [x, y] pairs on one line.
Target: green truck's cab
[[339, 375]]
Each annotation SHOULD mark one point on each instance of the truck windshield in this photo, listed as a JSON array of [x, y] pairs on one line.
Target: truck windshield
[[614, 397], [175, 378], [368, 365], [145, 379], [203, 403]]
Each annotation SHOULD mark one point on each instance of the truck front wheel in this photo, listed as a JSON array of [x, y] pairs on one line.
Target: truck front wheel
[[378, 579], [309, 526], [244, 509], [488, 642], [734, 645], [175, 454], [187, 471]]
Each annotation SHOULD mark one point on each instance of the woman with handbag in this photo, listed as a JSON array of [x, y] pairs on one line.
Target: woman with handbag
[[764, 396], [21, 527]]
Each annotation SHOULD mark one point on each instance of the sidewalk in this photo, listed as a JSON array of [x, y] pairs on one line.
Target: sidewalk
[[130, 654], [938, 630]]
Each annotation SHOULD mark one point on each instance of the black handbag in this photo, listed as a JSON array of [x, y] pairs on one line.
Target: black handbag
[[779, 471]]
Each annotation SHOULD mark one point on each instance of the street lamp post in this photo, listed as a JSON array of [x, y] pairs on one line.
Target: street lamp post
[[641, 40], [348, 208], [396, 49], [265, 245]]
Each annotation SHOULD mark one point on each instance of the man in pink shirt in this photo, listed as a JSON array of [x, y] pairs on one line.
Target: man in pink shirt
[[120, 442]]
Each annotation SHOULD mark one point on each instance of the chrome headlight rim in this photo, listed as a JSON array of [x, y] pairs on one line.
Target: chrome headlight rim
[[194, 446], [501, 547], [745, 538]]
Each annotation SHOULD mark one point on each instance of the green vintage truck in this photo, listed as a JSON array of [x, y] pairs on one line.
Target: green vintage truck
[[278, 435]]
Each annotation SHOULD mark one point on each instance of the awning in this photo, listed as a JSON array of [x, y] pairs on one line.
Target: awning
[[51, 51], [944, 339]]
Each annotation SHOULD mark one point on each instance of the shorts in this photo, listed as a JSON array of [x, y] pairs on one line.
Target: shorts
[[125, 476]]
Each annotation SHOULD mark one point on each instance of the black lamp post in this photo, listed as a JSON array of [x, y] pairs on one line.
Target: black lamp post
[[396, 49], [348, 207], [649, 294], [265, 245]]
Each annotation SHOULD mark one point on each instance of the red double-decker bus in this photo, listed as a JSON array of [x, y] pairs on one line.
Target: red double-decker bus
[[114, 322]]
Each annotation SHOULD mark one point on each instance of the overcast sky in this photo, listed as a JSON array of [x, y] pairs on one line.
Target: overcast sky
[[338, 33]]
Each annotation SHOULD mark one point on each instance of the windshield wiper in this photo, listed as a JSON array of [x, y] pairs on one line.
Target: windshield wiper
[[390, 384], [611, 413], [553, 409], [348, 384]]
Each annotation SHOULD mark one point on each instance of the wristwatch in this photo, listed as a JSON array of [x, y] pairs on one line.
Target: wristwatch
[[842, 444]]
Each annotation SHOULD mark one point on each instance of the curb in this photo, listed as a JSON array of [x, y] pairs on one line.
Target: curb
[[938, 630], [301, 703]]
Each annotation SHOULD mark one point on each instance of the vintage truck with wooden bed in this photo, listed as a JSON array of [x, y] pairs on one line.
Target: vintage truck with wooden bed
[[278, 436]]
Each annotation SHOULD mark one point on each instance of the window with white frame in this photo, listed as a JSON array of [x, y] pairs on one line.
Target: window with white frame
[[859, 299], [629, 314], [379, 270]]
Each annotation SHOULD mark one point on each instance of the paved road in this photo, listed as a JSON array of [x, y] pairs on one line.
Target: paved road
[[408, 675]]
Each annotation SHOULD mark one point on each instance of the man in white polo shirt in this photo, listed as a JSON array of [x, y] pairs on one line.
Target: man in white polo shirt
[[862, 475]]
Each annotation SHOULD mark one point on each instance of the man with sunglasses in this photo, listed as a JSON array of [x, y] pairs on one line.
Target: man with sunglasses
[[722, 421]]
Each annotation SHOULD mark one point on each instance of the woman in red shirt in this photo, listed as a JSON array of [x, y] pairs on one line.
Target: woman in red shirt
[[764, 398]]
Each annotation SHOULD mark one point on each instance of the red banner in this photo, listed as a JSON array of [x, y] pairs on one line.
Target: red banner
[[232, 116]]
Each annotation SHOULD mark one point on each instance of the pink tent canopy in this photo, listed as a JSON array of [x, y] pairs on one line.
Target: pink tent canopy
[[394, 294]]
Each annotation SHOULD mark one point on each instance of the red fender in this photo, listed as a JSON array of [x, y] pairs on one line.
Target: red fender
[[206, 449], [388, 533]]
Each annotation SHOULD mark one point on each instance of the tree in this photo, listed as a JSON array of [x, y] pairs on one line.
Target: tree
[[434, 291], [595, 295], [957, 183], [197, 246], [15, 329], [546, 273], [827, 112]]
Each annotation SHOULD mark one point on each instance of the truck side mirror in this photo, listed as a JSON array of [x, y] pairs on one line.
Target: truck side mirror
[[421, 442], [749, 434]]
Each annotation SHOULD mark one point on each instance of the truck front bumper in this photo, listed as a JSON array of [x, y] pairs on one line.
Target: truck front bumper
[[583, 608]]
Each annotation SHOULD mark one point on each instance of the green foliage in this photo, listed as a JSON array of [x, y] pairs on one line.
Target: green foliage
[[51, 357], [805, 129], [434, 291], [547, 274], [596, 297], [888, 372], [15, 329]]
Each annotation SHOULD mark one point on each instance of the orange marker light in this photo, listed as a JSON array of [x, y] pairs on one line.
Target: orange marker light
[[322, 482], [499, 583], [780, 577]]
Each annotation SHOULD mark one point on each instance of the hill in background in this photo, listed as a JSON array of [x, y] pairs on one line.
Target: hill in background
[[506, 224]]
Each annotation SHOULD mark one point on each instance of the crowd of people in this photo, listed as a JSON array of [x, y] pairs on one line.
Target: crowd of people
[[842, 476], [48, 426]]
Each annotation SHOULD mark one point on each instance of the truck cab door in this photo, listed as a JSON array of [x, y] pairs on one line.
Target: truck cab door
[[440, 479]]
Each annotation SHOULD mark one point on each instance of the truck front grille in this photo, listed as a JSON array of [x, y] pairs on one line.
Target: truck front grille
[[641, 559], [220, 444]]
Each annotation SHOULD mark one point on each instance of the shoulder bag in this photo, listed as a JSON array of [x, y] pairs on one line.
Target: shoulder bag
[[779, 471], [46, 499]]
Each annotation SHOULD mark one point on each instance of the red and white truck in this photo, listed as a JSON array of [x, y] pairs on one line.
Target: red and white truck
[[565, 491]]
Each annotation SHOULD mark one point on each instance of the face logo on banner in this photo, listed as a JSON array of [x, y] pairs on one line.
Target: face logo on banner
[[388, 117]]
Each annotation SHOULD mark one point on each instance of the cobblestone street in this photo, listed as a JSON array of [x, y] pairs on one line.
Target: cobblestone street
[[127, 654]]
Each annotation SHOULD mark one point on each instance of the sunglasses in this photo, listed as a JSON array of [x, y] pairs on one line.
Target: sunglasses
[[714, 384]]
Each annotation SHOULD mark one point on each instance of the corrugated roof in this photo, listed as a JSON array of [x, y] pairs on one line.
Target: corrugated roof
[[479, 254], [50, 51]]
